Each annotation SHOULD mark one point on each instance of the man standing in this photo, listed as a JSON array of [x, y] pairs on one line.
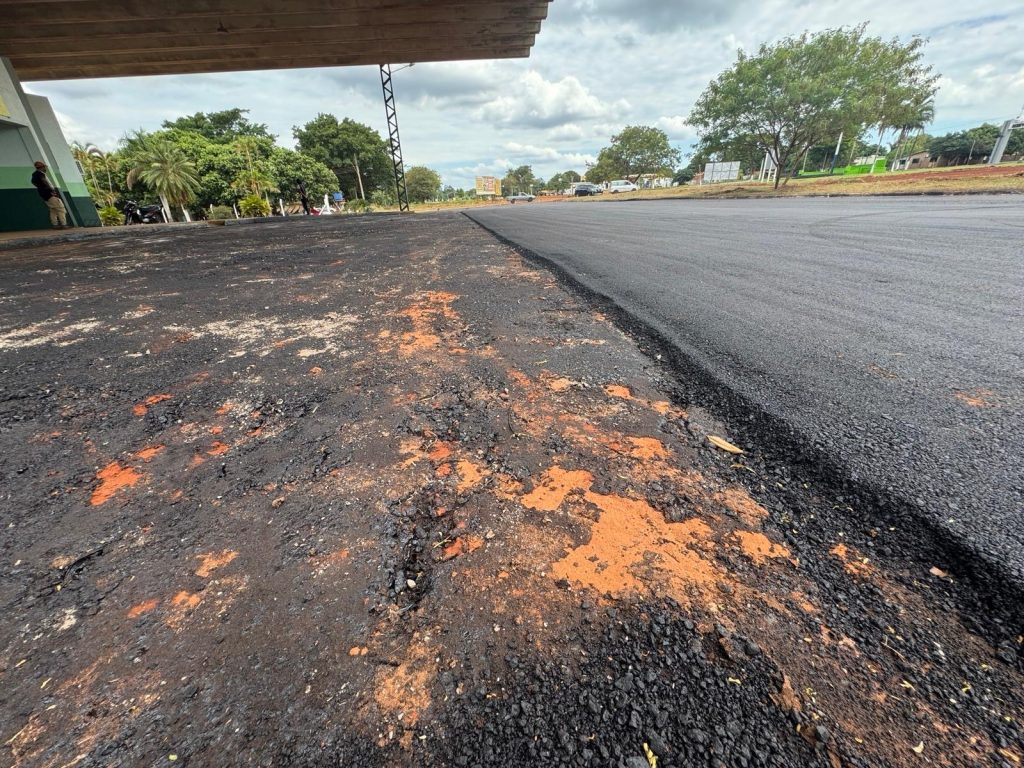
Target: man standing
[[58, 216], [303, 195]]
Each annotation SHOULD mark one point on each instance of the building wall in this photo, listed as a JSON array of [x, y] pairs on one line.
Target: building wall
[[28, 132]]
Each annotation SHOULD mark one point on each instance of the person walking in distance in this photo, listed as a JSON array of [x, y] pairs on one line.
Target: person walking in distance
[[58, 216]]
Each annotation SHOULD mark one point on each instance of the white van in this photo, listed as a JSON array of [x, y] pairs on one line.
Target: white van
[[621, 185]]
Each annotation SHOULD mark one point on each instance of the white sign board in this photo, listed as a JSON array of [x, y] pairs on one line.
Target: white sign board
[[714, 172]]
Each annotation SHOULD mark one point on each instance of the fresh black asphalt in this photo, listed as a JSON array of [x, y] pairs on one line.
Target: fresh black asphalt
[[888, 332]]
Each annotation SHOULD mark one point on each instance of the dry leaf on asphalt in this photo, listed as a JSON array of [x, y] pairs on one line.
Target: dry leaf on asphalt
[[938, 572], [919, 748], [725, 445], [652, 759]]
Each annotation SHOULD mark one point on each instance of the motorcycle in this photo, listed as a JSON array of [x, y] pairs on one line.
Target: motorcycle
[[145, 214]]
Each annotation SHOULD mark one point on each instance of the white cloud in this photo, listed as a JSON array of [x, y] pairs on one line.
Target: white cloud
[[530, 101]]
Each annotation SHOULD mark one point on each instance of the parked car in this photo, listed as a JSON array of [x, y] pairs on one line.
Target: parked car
[[520, 197], [621, 185], [585, 189]]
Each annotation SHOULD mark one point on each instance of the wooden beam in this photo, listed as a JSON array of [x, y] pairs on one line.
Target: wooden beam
[[74, 71], [393, 50], [53, 12], [407, 34]]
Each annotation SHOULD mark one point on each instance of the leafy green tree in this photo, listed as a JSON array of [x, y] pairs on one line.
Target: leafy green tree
[[519, 180], [163, 167], [795, 94], [422, 184], [288, 167], [636, 150], [563, 180], [355, 152], [221, 127]]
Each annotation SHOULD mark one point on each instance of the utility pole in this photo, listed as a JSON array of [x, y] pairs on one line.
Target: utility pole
[[836, 155]]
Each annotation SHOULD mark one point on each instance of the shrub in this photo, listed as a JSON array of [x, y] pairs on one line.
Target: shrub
[[222, 212], [254, 205], [110, 216], [358, 206]]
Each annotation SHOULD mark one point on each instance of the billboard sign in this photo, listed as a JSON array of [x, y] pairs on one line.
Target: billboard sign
[[714, 172], [487, 186]]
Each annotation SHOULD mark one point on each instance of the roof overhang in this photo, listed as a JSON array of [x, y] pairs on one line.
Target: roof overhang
[[67, 39]]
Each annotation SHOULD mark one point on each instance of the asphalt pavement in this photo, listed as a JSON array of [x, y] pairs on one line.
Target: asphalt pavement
[[888, 332]]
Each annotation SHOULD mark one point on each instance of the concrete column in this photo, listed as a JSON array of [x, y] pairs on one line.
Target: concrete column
[[28, 132]]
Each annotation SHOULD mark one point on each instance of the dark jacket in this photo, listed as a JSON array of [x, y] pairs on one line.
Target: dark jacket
[[40, 182]]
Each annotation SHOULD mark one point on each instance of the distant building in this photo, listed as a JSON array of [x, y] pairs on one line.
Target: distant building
[[914, 161]]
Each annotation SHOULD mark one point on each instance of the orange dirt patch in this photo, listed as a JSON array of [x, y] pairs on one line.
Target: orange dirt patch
[[470, 475], [113, 478], [520, 378], [559, 384], [144, 607], [632, 538], [556, 484], [439, 452], [759, 548], [316, 370], [854, 564], [224, 409], [211, 561], [617, 390], [977, 398], [147, 454], [405, 689], [461, 546], [646, 448], [181, 604], [424, 315], [218, 448], [141, 408], [739, 502]]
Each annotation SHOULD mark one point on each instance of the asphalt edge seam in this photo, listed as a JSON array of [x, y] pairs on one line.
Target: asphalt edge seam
[[993, 594]]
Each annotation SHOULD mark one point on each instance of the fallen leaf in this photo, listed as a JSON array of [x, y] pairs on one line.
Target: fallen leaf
[[1013, 758], [906, 685], [725, 445], [937, 572], [919, 748], [652, 759], [734, 681]]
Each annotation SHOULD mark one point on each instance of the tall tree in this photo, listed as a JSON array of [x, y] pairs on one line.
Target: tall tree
[[563, 180], [163, 167], [355, 152], [797, 93], [221, 127], [636, 150], [422, 183], [519, 180]]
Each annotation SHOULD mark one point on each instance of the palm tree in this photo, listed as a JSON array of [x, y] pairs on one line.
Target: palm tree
[[163, 167], [922, 115]]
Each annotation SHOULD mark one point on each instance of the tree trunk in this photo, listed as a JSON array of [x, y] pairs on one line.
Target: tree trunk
[[359, 176], [167, 208], [184, 212]]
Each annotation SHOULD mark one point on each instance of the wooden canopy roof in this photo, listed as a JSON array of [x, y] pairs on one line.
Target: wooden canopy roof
[[66, 39]]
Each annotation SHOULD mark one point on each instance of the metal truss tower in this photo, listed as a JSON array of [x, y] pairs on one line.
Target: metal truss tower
[[396, 144]]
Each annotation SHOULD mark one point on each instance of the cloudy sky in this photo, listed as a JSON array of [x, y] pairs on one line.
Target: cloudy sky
[[598, 65]]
